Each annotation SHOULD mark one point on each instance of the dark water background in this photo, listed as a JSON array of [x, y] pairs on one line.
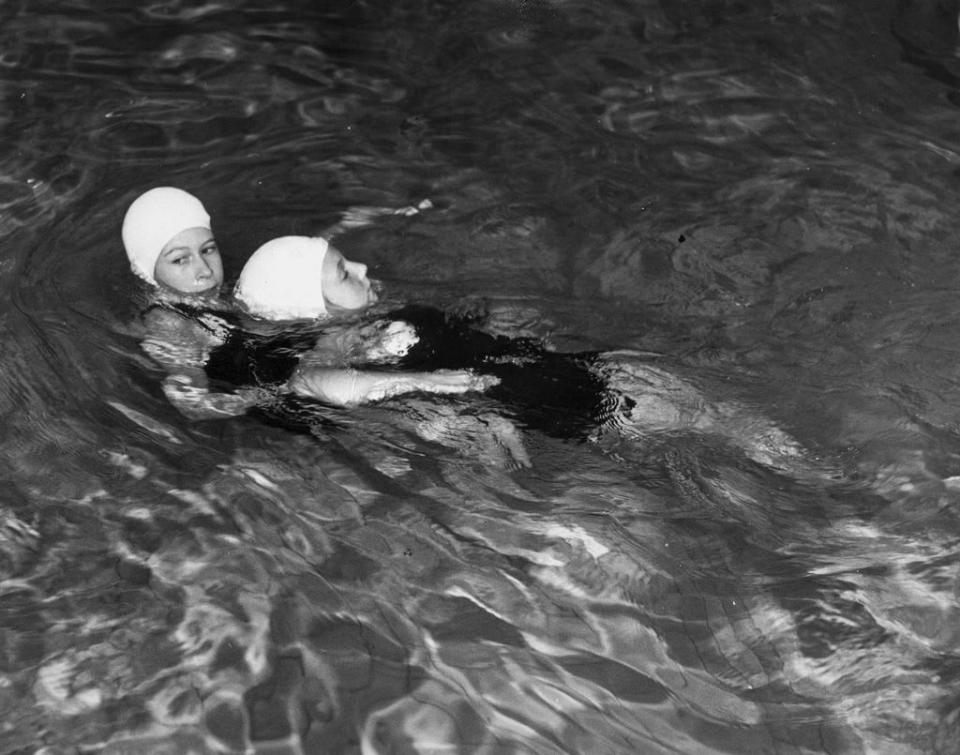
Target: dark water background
[[759, 196]]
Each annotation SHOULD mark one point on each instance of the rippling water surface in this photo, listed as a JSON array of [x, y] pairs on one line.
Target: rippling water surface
[[750, 206]]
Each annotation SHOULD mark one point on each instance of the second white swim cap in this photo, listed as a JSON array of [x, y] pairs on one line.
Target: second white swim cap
[[283, 279], [155, 217]]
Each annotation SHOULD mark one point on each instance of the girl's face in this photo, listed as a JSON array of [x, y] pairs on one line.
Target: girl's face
[[345, 283], [190, 263]]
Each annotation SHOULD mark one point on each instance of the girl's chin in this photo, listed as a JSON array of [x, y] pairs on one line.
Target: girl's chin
[[354, 306], [212, 292], [208, 291]]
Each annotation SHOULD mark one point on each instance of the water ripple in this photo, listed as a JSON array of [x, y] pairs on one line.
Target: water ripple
[[744, 208]]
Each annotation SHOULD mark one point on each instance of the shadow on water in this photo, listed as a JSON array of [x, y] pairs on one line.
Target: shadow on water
[[928, 31], [744, 207]]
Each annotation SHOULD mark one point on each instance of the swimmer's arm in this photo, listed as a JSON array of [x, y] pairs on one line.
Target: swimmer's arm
[[372, 342], [193, 398], [348, 387], [181, 347]]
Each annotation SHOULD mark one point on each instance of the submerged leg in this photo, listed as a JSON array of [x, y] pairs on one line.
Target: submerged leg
[[653, 401]]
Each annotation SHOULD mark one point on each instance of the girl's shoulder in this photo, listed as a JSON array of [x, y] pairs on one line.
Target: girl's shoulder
[[179, 321]]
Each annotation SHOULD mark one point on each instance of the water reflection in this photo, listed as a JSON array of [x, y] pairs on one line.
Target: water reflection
[[752, 199]]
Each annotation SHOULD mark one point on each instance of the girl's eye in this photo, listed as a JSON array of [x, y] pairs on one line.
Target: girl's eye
[[210, 249], [180, 261]]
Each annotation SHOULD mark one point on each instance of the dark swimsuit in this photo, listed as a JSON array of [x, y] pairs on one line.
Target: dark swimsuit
[[558, 394], [244, 358], [247, 359]]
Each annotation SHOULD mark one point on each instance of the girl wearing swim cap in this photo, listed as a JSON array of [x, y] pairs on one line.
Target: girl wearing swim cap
[[574, 396], [166, 233], [300, 277], [168, 239]]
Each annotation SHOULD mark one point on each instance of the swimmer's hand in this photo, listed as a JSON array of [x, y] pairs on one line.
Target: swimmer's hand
[[193, 399], [351, 387], [389, 342], [228, 404], [453, 381]]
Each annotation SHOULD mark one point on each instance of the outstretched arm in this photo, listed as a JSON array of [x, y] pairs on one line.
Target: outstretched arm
[[349, 387]]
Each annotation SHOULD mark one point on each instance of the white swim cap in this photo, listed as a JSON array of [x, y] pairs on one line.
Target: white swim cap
[[155, 217], [283, 279]]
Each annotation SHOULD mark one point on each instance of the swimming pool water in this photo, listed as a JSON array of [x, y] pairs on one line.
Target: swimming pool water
[[749, 205]]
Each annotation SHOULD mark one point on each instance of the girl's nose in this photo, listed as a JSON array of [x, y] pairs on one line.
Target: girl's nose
[[203, 269], [358, 269]]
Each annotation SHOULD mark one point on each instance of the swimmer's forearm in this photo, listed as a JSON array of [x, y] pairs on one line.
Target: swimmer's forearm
[[347, 387]]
